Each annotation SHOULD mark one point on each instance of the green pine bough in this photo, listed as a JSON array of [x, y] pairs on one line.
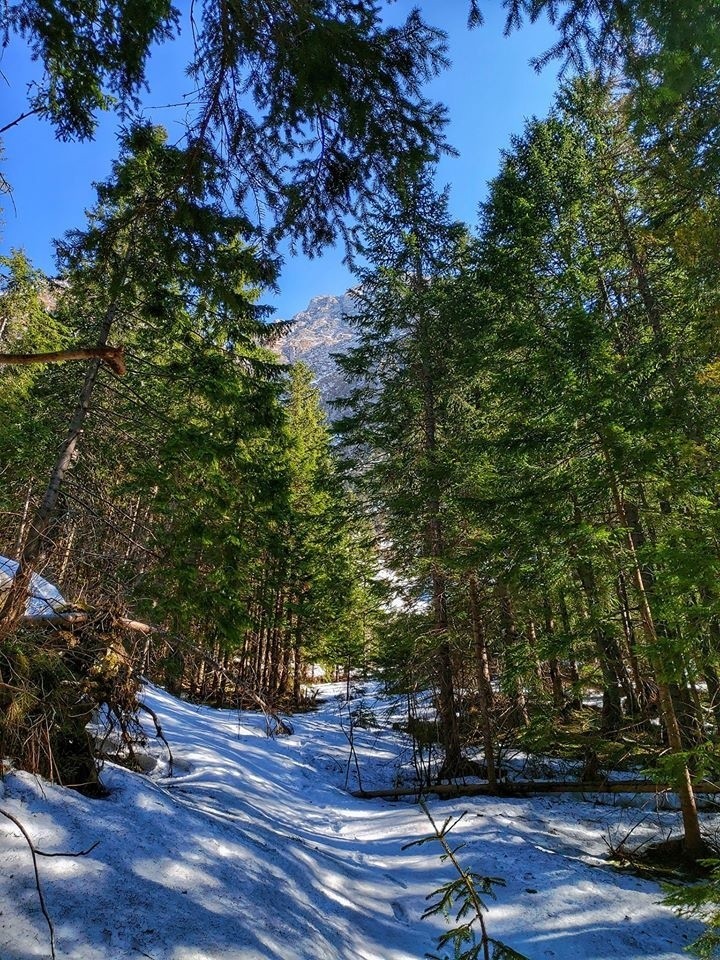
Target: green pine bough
[[700, 901], [463, 896]]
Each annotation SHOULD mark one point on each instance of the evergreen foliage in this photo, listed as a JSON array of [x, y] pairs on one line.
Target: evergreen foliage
[[531, 437], [465, 895], [304, 136], [204, 496], [533, 414], [700, 902]]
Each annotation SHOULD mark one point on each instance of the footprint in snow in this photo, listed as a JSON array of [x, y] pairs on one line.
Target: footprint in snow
[[401, 914]]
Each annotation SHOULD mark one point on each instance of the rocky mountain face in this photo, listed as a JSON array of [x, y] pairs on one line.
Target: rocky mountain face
[[317, 332]]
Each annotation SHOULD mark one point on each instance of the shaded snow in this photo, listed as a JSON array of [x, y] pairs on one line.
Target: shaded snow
[[44, 598], [253, 851]]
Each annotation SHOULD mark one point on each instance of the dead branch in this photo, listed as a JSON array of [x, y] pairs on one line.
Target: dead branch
[[72, 853], [136, 626], [73, 619], [112, 356], [38, 886], [273, 721], [158, 731], [19, 119]]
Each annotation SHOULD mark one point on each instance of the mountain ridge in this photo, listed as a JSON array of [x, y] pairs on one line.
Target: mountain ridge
[[316, 332]]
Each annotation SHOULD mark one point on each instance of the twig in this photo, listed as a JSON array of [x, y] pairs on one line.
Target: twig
[[17, 120], [350, 737], [158, 731], [62, 853], [38, 886], [619, 848]]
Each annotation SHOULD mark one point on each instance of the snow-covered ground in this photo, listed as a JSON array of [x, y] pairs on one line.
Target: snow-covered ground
[[44, 600], [253, 850]]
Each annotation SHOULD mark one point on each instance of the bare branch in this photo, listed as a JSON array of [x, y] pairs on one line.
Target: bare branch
[[112, 356], [73, 853], [17, 120], [38, 886], [78, 619]]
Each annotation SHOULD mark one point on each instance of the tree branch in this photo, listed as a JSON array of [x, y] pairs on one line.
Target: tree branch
[[19, 119], [112, 356], [41, 898], [71, 619]]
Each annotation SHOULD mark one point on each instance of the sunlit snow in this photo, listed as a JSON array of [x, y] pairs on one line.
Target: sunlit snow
[[44, 598], [255, 851]]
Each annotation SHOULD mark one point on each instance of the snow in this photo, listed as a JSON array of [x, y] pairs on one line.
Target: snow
[[44, 598], [253, 850]]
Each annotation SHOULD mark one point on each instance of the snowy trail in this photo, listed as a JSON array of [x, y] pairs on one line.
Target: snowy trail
[[253, 851]]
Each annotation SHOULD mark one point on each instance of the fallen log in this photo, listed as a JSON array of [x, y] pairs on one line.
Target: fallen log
[[526, 788], [79, 618], [112, 356]]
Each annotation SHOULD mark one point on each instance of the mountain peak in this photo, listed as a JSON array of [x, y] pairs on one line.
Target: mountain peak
[[316, 332]]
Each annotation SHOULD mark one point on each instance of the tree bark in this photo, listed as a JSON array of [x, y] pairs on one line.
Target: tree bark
[[556, 684], [510, 639], [485, 693], [449, 729]]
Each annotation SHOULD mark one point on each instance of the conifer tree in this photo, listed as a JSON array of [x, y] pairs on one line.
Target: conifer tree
[[304, 106], [159, 249], [587, 299], [399, 418], [325, 564]]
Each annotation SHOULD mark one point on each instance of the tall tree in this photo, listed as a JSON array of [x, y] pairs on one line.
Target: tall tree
[[399, 416], [159, 241], [597, 411]]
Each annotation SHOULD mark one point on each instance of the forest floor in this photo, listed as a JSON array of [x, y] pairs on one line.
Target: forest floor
[[254, 850]]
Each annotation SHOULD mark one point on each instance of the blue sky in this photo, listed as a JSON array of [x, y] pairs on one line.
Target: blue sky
[[490, 91]]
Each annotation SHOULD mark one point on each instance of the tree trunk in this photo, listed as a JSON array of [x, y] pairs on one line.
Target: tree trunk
[[607, 653], [641, 698], [693, 841], [511, 644], [37, 544], [576, 701], [558, 694], [484, 686], [297, 662], [449, 728]]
